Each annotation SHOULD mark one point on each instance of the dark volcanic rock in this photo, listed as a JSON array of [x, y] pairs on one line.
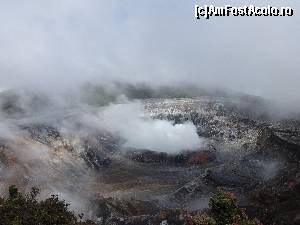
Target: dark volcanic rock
[[125, 211], [44, 134], [187, 158], [278, 200], [240, 174], [95, 158]]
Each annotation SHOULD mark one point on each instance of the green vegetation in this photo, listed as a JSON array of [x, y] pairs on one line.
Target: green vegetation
[[224, 210], [204, 219], [20, 209]]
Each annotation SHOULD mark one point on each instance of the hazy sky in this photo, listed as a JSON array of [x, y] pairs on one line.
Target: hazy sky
[[60, 43]]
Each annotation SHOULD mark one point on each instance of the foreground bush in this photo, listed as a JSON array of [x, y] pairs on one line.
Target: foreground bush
[[225, 210], [20, 209], [204, 219]]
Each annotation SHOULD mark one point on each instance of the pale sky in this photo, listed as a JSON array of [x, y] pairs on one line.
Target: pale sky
[[55, 44]]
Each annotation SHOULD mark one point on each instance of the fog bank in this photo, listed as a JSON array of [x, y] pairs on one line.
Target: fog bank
[[58, 45]]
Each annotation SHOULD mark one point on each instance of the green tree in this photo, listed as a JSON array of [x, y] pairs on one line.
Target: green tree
[[20, 209]]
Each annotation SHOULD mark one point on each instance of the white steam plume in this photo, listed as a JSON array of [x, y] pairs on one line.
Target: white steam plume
[[140, 131]]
